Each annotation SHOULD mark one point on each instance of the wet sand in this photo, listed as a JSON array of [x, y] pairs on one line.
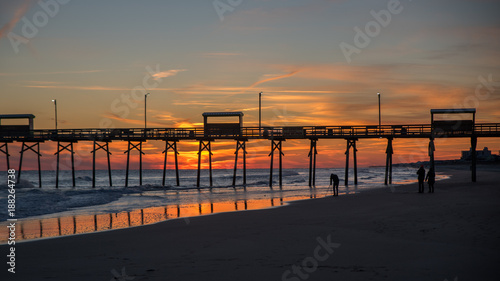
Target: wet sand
[[384, 234]]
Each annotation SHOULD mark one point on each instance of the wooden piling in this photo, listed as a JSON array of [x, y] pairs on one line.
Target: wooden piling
[[351, 143], [24, 148], [432, 148], [140, 163], [6, 152], [199, 164], [244, 164], [93, 164], [276, 144], [57, 169], [271, 166], [240, 144], [281, 164], [205, 144], [128, 162], [473, 142], [72, 164], [108, 153], [165, 163], [172, 146], [388, 162], [354, 153], [312, 162], [130, 147], [346, 178], [69, 148], [104, 147], [210, 162]]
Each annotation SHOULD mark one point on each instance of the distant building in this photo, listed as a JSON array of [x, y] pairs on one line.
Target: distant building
[[482, 155]]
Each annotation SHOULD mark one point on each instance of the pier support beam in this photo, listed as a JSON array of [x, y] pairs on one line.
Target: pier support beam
[[473, 145], [171, 144], [6, 152], [104, 147], [351, 143], [24, 148], [312, 162], [205, 144], [276, 144], [69, 148], [138, 147], [388, 161], [240, 144], [432, 148]]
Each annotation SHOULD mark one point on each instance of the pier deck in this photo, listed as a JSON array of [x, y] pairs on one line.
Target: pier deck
[[65, 138], [286, 132]]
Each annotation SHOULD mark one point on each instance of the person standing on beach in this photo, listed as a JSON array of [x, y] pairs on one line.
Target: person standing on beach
[[334, 179], [421, 177], [431, 179]]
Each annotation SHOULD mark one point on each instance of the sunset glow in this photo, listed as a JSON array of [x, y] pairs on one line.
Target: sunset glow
[[97, 59]]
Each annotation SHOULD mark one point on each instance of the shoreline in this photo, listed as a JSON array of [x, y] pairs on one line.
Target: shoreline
[[315, 193], [383, 235]]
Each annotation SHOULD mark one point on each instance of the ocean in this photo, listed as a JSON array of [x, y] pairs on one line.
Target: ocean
[[49, 212]]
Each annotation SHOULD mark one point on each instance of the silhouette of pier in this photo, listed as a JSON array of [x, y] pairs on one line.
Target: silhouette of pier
[[135, 137]]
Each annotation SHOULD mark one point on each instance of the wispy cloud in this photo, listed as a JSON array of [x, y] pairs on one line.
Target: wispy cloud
[[273, 78], [168, 73], [214, 55], [133, 121], [85, 88], [44, 82], [52, 72], [270, 79], [18, 14]]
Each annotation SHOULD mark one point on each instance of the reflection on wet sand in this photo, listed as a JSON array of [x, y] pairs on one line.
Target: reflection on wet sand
[[69, 225]]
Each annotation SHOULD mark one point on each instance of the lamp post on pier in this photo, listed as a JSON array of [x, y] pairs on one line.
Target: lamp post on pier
[[55, 108], [145, 104], [379, 115], [260, 114]]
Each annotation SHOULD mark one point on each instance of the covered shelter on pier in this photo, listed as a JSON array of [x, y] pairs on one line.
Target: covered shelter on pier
[[28, 127]]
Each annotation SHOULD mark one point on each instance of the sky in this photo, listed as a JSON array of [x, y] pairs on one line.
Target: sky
[[317, 62]]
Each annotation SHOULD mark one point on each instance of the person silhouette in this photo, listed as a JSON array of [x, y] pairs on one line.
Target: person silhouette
[[431, 179], [334, 179], [421, 177]]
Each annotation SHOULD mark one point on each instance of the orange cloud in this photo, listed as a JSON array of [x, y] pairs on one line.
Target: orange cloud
[[272, 79], [168, 73], [133, 121]]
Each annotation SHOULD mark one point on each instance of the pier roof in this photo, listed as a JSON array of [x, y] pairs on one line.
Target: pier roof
[[16, 116], [212, 114], [453, 110]]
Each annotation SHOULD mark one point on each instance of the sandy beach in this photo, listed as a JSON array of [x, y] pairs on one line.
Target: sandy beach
[[384, 234]]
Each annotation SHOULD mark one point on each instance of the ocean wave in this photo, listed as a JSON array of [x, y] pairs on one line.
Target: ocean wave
[[21, 184], [36, 201]]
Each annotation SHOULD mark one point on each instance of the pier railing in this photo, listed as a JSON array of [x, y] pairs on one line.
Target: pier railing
[[288, 132]]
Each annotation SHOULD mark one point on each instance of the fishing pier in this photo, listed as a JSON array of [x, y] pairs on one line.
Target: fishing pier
[[135, 137]]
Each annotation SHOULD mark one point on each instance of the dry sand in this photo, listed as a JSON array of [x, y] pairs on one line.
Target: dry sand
[[453, 234]]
